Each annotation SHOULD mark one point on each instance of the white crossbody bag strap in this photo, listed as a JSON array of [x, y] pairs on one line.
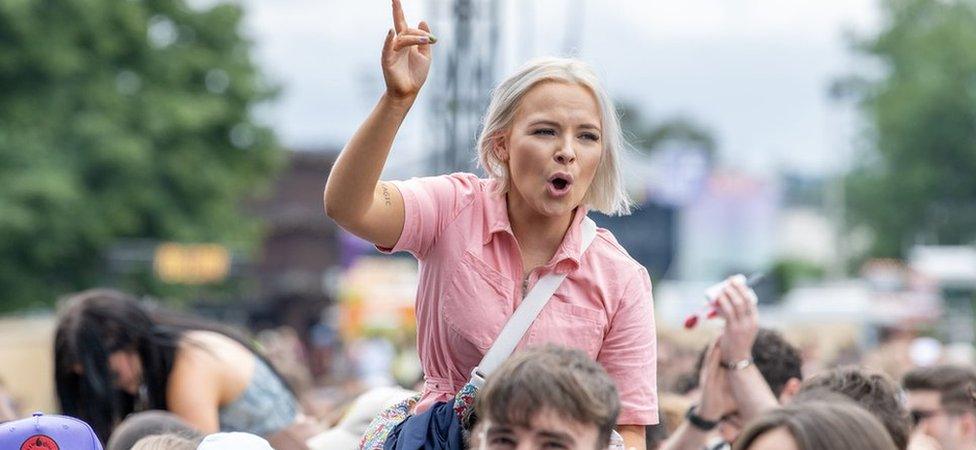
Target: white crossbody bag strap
[[525, 314]]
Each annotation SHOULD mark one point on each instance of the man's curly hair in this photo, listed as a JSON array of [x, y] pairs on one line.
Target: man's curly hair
[[874, 391]]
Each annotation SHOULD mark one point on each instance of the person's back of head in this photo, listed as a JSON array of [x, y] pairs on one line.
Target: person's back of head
[[549, 391], [149, 423], [874, 391], [778, 361], [165, 442], [829, 424]]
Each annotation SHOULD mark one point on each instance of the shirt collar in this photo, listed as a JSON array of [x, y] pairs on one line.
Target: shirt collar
[[568, 255], [496, 214]]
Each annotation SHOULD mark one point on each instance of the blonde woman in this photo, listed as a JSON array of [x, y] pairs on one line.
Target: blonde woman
[[550, 147]]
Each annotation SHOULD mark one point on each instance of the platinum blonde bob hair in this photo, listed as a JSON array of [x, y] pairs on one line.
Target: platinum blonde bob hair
[[606, 194]]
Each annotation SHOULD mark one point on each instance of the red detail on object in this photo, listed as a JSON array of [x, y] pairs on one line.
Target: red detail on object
[[713, 313], [691, 321], [39, 442]]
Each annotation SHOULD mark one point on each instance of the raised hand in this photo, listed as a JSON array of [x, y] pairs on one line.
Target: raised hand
[[406, 56], [737, 305]]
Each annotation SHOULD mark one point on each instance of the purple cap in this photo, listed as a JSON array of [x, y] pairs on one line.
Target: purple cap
[[42, 432]]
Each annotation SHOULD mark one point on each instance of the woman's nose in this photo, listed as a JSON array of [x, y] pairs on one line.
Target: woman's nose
[[566, 154]]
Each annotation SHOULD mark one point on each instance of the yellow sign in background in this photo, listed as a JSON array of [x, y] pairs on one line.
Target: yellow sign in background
[[191, 264]]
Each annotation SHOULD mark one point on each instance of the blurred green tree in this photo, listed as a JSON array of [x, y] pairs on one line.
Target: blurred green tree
[[122, 119], [916, 182], [647, 135]]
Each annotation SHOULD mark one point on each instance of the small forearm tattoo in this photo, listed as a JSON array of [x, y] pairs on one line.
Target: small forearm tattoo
[[386, 195]]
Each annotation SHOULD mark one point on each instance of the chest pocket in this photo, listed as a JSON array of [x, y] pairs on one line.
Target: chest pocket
[[474, 305], [569, 325]]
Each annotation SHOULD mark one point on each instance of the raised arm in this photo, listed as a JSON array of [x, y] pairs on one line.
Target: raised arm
[[354, 196], [737, 305]]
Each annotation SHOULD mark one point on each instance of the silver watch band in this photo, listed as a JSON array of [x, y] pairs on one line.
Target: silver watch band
[[737, 365]]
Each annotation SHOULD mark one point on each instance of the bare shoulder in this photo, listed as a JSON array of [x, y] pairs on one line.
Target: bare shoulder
[[215, 353], [210, 358]]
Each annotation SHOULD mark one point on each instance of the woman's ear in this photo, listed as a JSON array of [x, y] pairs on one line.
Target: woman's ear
[[500, 147]]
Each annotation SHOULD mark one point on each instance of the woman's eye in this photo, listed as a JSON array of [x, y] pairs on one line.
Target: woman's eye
[[545, 131], [590, 136], [554, 445]]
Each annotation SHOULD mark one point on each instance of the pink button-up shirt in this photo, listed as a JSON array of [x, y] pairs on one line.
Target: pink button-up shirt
[[471, 282]]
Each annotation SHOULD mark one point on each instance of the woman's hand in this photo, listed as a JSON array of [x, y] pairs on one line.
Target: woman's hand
[[406, 56], [737, 305], [354, 197]]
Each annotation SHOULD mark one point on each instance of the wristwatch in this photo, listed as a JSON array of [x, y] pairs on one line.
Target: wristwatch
[[737, 365], [697, 421]]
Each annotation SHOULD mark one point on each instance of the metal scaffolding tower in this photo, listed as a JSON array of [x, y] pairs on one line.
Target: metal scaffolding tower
[[463, 74]]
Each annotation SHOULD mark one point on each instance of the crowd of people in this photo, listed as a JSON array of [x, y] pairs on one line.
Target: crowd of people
[[536, 328], [750, 393]]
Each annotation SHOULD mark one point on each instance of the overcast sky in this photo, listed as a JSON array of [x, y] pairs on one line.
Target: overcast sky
[[755, 71]]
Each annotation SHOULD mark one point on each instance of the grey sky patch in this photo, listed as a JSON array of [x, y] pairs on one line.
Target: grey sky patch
[[755, 71]]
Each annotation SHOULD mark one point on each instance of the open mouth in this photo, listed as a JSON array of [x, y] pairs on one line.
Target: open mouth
[[560, 183]]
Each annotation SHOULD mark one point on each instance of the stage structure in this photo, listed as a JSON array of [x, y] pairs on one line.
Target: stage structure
[[463, 74]]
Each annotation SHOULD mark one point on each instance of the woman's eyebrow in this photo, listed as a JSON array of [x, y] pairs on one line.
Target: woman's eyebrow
[[589, 126], [544, 122]]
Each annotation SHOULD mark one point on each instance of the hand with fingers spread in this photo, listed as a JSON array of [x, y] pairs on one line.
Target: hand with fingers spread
[[406, 56], [736, 303]]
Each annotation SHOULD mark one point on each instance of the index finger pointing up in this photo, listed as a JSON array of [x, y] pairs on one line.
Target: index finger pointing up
[[399, 22]]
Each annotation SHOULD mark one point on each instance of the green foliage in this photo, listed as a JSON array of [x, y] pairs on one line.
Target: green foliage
[[918, 181], [787, 274], [648, 136], [121, 119]]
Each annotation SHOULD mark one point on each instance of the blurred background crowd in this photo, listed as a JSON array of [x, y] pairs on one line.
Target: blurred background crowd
[[177, 149]]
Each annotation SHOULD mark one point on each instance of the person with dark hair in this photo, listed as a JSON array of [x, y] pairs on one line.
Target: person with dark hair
[[114, 356], [942, 403], [549, 397], [743, 373], [874, 391], [830, 424], [779, 362]]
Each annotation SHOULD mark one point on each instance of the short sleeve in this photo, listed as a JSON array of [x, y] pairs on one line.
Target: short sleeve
[[629, 352], [430, 204]]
